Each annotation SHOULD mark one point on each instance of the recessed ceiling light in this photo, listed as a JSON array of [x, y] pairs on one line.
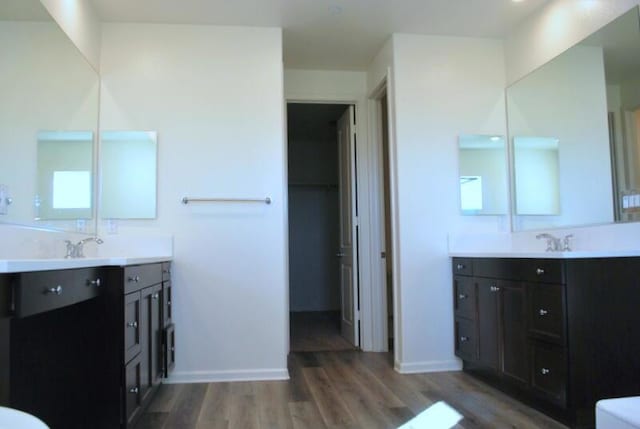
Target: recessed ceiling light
[[335, 9]]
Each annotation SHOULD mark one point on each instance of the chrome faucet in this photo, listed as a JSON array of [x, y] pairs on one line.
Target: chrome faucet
[[77, 250], [553, 243]]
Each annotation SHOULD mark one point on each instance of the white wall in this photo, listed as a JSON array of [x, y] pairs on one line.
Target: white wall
[[214, 95], [556, 27], [437, 97], [80, 21]]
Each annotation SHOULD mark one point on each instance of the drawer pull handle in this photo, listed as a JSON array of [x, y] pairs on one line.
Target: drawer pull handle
[[96, 282], [539, 271], [166, 271], [135, 279], [464, 339], [462, 296], [54, 290], [134, 390], [169, 303], [545, 371], [155, 296], [173, 349], [543, 312], [460, 267], [132, 324], [494, 289]]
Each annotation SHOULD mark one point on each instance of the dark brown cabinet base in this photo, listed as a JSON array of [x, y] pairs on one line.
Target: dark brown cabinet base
[[557, 334], [89, 354]]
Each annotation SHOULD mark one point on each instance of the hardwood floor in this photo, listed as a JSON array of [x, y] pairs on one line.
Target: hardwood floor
[[331, 390], [316, 331]]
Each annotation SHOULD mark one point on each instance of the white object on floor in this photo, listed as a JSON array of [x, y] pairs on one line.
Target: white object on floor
[[14, 419], [438, 416], [619, 413]]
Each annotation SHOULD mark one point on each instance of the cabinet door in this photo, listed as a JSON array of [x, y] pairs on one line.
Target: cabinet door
[[132, 328], [133, 394], [155, 332], [515, 362], [547, 311], [466, 343], [549, 372], [488, 322], [167, 311]]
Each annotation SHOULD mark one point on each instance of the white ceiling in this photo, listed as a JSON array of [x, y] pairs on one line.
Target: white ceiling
[[332, 34]]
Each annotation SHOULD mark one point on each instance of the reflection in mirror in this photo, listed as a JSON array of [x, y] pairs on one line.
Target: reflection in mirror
[[46, 84], [536, 173], [65, 175], [585, 98], [483, 175], [128, 168]]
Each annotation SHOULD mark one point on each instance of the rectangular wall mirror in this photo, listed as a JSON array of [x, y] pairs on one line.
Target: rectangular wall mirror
[[128, 166], [483, 175], [587, 100], [48, 120]]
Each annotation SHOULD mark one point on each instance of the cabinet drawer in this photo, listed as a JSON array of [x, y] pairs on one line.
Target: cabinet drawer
[[543, 270], [169, 341], [132, 325], [42, 291], [138, 277], [133, 393], [546, 311], [464, 297], [90, 282], [466, 344], [166, 271], [463, 266], [549, 372]]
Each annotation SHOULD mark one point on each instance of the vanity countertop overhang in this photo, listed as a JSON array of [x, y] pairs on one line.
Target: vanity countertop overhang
[[581, 254], [45, 264]]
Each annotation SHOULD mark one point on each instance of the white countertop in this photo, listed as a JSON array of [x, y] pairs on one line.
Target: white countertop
[[23, 265], [581, 254]]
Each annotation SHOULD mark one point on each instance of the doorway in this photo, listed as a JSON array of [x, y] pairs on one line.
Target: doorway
[[322, 237]]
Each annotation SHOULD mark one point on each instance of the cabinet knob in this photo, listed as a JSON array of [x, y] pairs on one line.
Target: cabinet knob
[[133, 324], [543, 312], [134, 390], [464, 339], [134, 279], [173, 349], [494, 289], [54, 290], [166, 271], [539, 271], [545, 371], [155, 296], [96, 282], [460, 267], [462, 296], [168, 302]]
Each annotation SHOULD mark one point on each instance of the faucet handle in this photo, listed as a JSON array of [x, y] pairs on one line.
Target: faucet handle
[[566, 242]]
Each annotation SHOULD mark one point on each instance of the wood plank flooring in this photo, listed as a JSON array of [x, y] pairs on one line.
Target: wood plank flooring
[[337, 390], [316, 331]]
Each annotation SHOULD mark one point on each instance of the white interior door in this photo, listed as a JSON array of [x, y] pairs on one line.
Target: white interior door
[[348, 248]]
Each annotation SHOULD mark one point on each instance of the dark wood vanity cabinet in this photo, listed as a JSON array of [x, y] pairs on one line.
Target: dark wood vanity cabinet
[[143, 294], [557, 333], [85, 348]]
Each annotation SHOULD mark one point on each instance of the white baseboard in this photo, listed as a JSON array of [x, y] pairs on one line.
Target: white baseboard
[[228, 375], [428, 366]]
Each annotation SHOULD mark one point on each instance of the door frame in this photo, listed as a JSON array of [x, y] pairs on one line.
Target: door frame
[[385, 85], [364, 268]]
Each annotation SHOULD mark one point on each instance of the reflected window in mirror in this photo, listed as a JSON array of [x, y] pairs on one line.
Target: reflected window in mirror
[[128, 165], [483, 175], [65, 175]]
